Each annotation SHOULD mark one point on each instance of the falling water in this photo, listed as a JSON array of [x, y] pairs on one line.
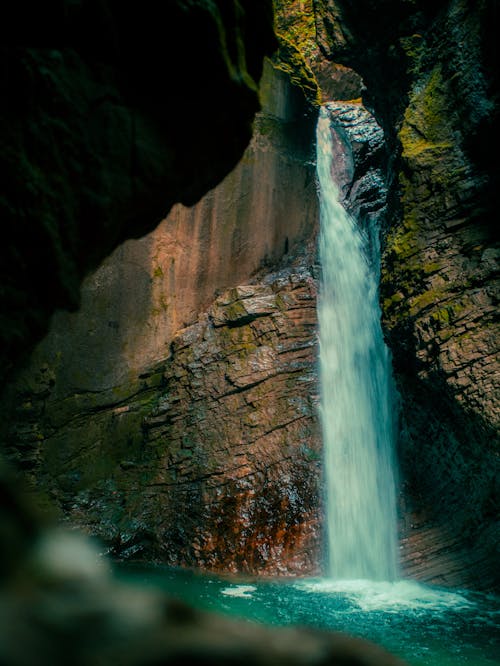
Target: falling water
[[356, 392]]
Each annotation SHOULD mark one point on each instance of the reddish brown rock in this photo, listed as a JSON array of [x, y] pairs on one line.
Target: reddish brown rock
[[212, 460], [236, 438], [186, 439]]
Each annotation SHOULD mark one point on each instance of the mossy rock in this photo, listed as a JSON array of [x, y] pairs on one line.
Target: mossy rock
[[290, 60], [295, 21]]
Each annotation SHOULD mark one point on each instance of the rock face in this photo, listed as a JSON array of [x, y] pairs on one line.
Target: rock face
[[178, 424], [431, 80], [99, 137], [203, 450], [149, 288], [228, 469]]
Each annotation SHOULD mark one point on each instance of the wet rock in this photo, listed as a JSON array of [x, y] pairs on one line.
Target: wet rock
[[231, 436], [153, 433], [361, 167]]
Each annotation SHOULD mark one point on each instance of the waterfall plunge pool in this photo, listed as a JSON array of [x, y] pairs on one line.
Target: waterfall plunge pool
[[424, 625]]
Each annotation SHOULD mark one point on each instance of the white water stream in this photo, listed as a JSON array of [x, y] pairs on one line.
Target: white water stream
[[357, 409]]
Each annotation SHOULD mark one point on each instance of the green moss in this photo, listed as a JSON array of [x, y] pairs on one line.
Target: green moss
[[423, 301], [431, 267], [235, 311], [295, 21], [414, 48], [432, 173], [441, 316], [158, 272], [427, 125], [426, 133], [245, 349], [444, 315], [290, 60], [393, 300], [402, 242]]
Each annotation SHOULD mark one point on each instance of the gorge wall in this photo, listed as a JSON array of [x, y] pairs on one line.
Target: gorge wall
[[212, 404], [100, 138], [98, 141], [174, 414]]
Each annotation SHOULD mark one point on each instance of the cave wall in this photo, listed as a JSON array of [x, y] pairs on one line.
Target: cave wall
[[100, 137], [150, 288], [178, 423], [162, 392], [431, 81]]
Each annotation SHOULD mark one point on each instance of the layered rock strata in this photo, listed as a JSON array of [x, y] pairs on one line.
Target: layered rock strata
[[219, 418], [225, 469], [92, 428], [225, 424], [213, 458], [431, 78]]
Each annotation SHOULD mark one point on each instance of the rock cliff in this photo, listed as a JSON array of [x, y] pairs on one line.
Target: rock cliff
[[227, 473], [215, 410], [166, 390], [100, 136]]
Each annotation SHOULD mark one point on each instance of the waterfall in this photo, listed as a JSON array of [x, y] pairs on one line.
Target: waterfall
[[357, 407]]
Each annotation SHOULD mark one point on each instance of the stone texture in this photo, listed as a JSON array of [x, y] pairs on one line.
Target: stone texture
[[221, 418], [52, 614], [233, 436], [132, 306], [295, 24], [360, 165], [141, 433], [430, 77], [212, 460]]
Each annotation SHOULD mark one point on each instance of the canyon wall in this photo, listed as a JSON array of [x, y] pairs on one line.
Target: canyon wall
[[432, 82], [151, 287], [174, 414], [201, 446], [100, 138]]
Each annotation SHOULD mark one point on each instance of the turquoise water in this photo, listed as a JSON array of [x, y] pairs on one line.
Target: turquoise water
[[426, 626]]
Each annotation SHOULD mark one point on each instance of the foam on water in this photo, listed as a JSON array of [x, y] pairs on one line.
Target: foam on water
[[242, 591], [370, 595]]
